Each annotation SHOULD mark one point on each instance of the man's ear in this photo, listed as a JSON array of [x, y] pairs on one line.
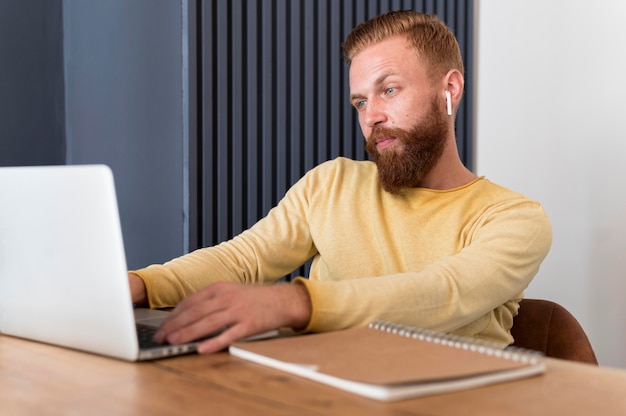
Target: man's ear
[[454, 83]]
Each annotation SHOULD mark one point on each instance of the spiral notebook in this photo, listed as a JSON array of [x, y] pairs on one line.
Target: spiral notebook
[[386, 361]]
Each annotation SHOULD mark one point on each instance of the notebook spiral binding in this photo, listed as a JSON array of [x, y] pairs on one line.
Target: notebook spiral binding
[[456, 341]]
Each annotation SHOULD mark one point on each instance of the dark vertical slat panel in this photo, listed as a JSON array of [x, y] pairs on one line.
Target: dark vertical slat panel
[[295, 96], [274, 97], [207, 212], [321, 77], [353, 12], [267, 89], [309, 82], [222, 140], [465, 125], [336, 100], [281, 119], [429, 7], [253, 115], [191, 124], [457, 24], [238, 155]]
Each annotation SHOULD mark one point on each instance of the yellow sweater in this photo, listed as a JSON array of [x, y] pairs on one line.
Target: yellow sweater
[[455, 260]]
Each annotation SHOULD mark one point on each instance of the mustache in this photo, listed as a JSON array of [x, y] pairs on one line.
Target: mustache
[[380, 133]]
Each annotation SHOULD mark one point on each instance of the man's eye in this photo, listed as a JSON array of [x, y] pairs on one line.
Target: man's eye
[[390, 90], [359, 104]]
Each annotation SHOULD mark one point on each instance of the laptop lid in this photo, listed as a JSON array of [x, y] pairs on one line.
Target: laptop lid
[[63, 273]]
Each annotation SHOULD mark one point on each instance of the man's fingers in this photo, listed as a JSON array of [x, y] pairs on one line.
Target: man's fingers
[[207, 326], [191, 323], [221, 341]]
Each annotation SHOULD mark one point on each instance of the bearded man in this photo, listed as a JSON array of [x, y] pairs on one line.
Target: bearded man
[[411, 237]]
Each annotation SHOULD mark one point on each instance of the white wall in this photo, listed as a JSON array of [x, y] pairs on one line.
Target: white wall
[[551, 84]]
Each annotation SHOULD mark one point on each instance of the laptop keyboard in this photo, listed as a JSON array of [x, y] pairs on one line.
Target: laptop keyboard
[[145, 334]]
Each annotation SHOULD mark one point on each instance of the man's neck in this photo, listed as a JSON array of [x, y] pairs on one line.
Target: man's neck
[[449, 172]]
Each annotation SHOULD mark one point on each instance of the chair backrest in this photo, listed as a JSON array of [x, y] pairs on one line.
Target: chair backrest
[[548, 327]]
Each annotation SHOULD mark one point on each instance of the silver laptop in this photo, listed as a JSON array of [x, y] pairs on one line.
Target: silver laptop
[[63, 273]]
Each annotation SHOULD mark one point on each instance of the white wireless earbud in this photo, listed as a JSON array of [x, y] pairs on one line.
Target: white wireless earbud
[[448, 103]]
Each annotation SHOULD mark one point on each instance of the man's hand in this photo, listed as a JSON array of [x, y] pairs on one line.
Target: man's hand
[[244, 310]]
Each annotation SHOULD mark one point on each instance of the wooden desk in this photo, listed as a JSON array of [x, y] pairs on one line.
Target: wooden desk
[[41, 379]]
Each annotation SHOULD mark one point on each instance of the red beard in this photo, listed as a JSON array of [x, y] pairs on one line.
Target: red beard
[[405, 164]]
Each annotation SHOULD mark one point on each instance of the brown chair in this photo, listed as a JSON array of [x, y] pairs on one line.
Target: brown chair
[[545, 326]]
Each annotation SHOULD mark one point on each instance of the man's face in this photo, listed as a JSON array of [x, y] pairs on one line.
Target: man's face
[[400, 110], [417, 150]]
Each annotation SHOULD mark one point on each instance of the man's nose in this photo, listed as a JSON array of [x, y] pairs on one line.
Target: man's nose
[[374, 113]]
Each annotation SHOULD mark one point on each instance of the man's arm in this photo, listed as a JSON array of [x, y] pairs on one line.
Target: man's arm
[[244, 310]]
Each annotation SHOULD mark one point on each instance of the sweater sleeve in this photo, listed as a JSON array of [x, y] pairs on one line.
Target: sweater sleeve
[[272, 248]]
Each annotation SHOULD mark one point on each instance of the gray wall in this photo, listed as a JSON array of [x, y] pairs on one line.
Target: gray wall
[[124, 108], [102, 82], [31, 83]]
